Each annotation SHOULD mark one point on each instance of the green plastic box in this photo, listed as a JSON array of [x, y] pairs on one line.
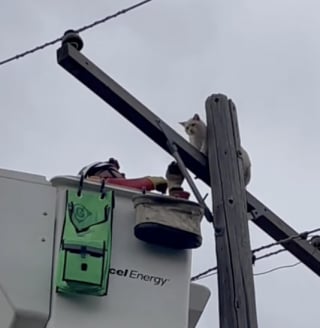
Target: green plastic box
[[85, 248]]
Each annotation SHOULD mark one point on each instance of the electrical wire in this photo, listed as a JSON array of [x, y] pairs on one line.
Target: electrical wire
[[254, 259], [268, 255], [198, 276], [79, 30], [208, 275], [277, 268], [204, 273], [303, 235]]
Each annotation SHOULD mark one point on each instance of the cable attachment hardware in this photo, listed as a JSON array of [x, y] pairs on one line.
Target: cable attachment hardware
[[315, 241], [73, 38]]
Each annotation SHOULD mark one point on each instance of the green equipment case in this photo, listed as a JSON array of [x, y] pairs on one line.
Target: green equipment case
[[85, 248]]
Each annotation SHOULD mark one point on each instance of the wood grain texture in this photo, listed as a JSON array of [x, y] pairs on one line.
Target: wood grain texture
[[237, 307]]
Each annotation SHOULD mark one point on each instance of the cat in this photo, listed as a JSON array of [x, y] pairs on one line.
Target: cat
[[196, 129]]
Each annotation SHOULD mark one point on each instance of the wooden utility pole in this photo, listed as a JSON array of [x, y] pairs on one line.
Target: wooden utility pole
[[237, 308]]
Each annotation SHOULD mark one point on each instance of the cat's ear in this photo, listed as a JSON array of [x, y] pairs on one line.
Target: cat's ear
[[196, 117], [183, 123]]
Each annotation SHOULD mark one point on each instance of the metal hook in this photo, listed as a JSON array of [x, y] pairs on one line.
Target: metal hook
[[102, 191], [80, 185]]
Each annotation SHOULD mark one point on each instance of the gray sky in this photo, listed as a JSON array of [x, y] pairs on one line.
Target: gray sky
[[171, 55]]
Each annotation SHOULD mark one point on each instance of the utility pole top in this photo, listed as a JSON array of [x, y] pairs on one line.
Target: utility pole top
[[237, 308]]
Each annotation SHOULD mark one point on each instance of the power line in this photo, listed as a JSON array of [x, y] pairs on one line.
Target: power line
[[302, 235], [254, 258], [198, 276], [79, 30], [207, 275], [277, 268]]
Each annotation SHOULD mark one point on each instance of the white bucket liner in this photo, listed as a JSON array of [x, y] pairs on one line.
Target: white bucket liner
[[168, 221]]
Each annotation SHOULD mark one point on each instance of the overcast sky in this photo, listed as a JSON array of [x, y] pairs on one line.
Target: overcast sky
[[171, 55]]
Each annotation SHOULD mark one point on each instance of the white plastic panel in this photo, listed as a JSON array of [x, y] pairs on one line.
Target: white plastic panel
[[199, 296], [27, 222], [148, 287]]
